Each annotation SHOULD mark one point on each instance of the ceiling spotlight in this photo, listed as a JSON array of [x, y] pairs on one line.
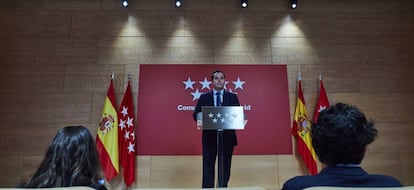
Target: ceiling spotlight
[[178, 3], [244, 3], [124, 3], [293, 4]]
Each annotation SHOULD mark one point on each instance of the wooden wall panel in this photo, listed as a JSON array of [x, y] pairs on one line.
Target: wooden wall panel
[[15, 50], [27, 138], [386, 78], [66, 51], [10, 167], [17, 78], [115, 23], [42, 50], [240, 50], [242, 167], [51, 5], [393, 137], [45, 108], [182, 172], [35, 23], [388, 107], [407, 166], [143, 173], [155, 50], [93, 78], [380, 163], [397, 6], [337, 78], [288, 167], [56, 58], [30, 165]]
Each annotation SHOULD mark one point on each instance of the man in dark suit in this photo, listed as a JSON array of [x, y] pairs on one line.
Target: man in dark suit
[[340, 138], [217, 97]]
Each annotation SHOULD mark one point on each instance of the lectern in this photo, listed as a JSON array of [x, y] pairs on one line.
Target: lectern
[[221, 118]]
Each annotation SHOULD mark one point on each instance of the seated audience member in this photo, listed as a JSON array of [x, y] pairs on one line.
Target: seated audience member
[[340, 138], [71, 160]]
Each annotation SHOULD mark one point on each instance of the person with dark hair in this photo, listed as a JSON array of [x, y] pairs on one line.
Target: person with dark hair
[[71, 160], [217, 97], [340, 138]]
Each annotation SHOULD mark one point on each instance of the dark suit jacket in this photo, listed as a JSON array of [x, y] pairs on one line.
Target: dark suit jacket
[[341, 177], [210, 136]]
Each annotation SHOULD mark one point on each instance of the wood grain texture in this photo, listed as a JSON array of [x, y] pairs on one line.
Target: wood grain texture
[[56, 58]]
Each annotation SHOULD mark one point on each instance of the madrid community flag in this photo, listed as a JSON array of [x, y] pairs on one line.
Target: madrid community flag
[[301, 129], [107, 137], [127, 137], [323, 101]]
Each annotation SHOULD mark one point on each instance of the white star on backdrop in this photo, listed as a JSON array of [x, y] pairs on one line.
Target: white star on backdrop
[[205, 83], [238, 84], [188, 83], [196, 94]]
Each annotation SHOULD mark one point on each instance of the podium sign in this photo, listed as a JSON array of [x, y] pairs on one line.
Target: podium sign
[[221, 117]]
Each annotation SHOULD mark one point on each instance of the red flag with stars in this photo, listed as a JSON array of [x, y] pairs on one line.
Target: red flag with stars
[[126, 138], [323, 101]]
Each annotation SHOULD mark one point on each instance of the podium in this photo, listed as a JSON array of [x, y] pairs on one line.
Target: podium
[[221, 118]]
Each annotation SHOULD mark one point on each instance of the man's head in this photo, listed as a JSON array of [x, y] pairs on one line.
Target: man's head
[[218, 79], [341, 134]]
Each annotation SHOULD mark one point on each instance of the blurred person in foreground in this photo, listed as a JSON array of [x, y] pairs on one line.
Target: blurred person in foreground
[[71, 160], [340, 138]]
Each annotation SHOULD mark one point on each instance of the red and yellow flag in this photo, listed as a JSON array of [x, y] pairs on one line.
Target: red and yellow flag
[[127, 149], [107, 137], [301, 129], [323, 101]]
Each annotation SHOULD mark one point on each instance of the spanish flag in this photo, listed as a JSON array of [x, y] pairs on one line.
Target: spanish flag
[[107, 137], [300, 130]]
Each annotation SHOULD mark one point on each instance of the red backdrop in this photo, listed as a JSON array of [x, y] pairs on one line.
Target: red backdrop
[[168, 94]]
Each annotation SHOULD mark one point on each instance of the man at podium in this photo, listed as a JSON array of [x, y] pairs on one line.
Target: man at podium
[[217, 97]]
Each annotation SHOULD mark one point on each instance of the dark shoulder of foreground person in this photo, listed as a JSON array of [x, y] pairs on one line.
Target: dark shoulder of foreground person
[[301, 182], [98, 187], [388, 180], [298, 182]]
